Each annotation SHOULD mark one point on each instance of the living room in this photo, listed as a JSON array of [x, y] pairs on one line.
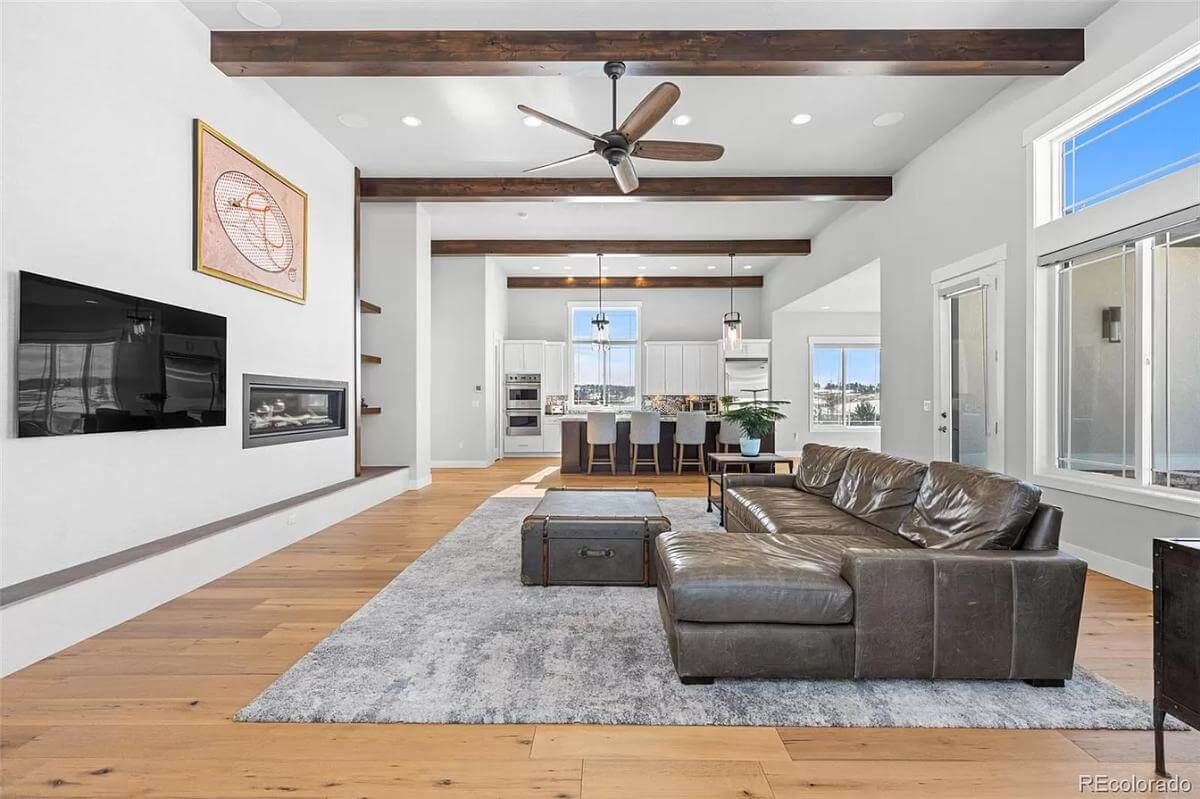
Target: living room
[[826, 423]]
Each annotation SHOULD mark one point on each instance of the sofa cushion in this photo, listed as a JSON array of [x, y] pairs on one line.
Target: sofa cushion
[[878, 488], [961, 507], [762, 509], [821, 468], [739, 577]]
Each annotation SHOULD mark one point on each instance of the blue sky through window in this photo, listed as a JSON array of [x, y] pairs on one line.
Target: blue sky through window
[[1141, 143]]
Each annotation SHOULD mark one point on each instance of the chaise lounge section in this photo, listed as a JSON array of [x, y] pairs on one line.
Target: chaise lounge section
[[866, 565]]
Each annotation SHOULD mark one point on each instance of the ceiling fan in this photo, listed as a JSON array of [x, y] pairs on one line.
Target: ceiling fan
[[620, 144]]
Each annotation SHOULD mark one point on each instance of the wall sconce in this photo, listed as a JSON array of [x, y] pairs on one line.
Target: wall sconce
[[1110, 323]]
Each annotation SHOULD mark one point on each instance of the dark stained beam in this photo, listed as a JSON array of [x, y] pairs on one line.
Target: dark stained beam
[[605, 189], [1037, 51], [621, 246], [745, 282]]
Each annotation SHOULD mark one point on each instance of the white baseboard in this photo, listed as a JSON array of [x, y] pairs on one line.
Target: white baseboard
[[460, 464], [39, 626], [1123, 570]]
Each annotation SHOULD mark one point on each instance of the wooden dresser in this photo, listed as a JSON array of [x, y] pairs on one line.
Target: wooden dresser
[[1176, 636]]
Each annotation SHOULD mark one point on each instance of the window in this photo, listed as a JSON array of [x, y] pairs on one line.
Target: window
[[845, 383], [1129, 358], [604, 375], [1141, 142]]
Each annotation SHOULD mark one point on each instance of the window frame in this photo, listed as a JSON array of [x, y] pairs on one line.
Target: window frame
[[636, 307], [844, 343]]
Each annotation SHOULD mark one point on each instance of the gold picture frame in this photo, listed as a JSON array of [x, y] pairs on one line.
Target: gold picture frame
[[251, 223]]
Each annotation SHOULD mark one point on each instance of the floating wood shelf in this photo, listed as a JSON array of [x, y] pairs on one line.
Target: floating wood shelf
[[371, 358], [369, 410], [368, 307]]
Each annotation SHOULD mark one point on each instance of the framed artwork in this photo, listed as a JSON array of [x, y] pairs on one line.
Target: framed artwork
[[251, 223]]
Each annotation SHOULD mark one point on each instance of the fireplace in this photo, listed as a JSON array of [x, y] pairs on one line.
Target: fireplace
[[280, 410]]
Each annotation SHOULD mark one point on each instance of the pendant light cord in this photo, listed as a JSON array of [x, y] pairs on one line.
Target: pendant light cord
[[600, 279], [730, 282]]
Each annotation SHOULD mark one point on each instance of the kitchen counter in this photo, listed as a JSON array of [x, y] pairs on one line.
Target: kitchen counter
[[575, 446]]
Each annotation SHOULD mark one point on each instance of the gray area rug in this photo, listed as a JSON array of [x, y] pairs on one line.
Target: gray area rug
[[456, 638]]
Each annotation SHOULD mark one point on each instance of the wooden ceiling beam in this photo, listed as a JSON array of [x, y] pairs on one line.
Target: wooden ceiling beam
[[683, 282], [997, 51], [551, 247], [713, 189]]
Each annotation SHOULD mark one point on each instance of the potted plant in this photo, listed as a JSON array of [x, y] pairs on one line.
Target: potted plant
[[756, 417]]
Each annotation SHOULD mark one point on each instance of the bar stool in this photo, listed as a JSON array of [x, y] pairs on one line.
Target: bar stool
[[645, 430], [602, 432], [729, 439], [691, 430]]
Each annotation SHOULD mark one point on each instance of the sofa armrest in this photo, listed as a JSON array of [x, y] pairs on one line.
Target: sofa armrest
[[924, 613], [752, 479]]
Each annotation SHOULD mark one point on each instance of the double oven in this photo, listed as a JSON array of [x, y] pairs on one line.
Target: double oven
[[523, 404]]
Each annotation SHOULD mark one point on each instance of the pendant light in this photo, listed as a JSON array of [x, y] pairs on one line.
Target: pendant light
[[600, 321], [732, 335]]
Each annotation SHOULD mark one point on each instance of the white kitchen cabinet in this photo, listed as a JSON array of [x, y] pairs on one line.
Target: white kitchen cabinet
[[654, 374], [690, 356], [514, 357], [755, 348], [554, 369], [673, 369], [551, 434], [520, 445], [533, 356], [710, 369]]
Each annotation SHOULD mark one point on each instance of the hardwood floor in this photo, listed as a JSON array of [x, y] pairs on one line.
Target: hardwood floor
[[144, 709]]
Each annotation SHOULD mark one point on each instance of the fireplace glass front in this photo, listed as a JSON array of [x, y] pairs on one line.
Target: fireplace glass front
[[281, 410]]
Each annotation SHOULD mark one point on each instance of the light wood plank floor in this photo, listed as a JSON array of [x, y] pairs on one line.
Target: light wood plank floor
[[144, 709]]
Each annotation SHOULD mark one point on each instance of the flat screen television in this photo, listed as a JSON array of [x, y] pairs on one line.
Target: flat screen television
[[95, 361]]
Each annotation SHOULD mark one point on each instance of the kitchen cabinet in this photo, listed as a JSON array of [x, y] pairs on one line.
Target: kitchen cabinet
[[520, 445], [524, 356], [753, 348], [673, 369], [554, 369], [551, 434], [710, 369], [653, 381]]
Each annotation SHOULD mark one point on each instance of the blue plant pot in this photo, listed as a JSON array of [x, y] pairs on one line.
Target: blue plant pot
[[750, 446]]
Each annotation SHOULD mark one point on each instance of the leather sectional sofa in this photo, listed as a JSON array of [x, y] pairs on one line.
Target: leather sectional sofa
[[865, 565]]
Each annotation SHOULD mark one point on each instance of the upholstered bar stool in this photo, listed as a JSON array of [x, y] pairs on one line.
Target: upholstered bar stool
[[602, 432], [729, 439], [691, 430], [645, 430]]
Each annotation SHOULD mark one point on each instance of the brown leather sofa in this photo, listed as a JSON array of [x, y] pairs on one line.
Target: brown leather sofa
[[865, 565]]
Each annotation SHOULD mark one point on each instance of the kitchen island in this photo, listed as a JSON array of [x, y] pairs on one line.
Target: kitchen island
[[575, 446]]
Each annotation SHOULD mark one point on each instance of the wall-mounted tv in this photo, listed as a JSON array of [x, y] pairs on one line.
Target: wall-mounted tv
[[95, 361]]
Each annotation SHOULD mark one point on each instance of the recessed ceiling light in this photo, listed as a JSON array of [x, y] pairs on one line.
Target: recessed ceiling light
[[682, 120], [710, 266], [353, 120], [747, 266], [888, 119], [801, 119], [411, 121], [824, 307], [566, 268], [532, 122], [641, 267], [536, 268], [259, 13], [673, 268]]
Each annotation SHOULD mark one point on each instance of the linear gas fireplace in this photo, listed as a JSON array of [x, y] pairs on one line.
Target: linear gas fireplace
[[280, 410]]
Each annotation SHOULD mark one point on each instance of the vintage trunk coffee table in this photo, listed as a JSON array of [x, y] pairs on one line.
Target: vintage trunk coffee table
[[592, 537]]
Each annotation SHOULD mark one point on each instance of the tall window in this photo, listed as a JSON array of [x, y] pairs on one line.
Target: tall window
[[604, 375], [1129, 359], [1135, 145], [845, 384]]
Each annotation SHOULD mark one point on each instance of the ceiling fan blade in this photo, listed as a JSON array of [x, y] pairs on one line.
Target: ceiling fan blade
[[625, 174], [653, 107], [677, 150], [558, 123], [560, 163]]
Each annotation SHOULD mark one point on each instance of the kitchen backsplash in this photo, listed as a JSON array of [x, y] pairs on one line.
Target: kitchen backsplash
[[556, 404], [669, 403]]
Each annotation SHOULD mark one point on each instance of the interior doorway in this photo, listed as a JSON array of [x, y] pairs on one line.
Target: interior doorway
[[969, 362]]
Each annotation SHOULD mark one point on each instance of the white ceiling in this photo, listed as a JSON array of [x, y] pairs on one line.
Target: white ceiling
[[471, 127], [648, 266], [855, 292]]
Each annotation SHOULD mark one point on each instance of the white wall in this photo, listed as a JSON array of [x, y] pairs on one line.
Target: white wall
[[667, 315], [396, 275], [97, 161], [964, 195], [460, 354], [790, 376]]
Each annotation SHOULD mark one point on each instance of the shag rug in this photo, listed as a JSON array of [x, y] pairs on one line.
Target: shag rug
[[456, 638]]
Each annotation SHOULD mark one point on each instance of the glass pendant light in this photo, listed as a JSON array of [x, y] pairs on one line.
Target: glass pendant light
[[732, 335], [600, 321]]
